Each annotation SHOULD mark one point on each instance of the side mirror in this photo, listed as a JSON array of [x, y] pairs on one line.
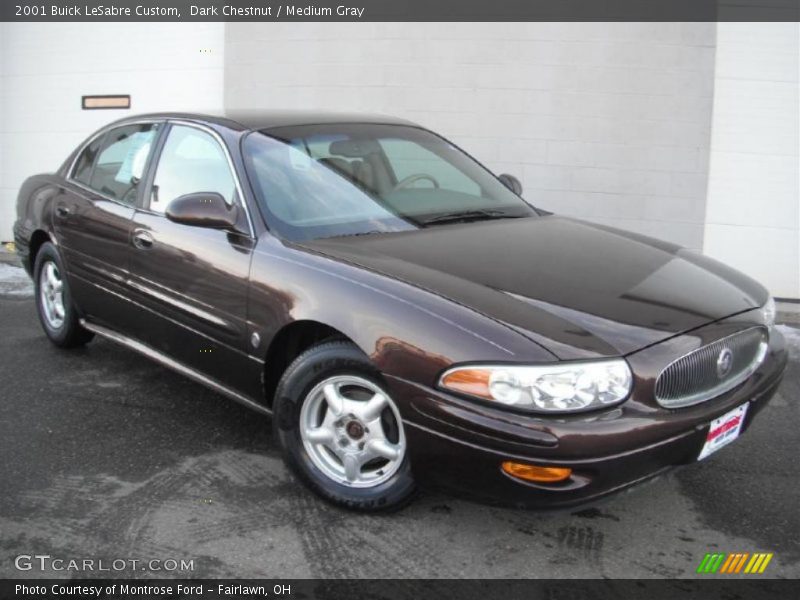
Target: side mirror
[[203, 209], [511, 183]]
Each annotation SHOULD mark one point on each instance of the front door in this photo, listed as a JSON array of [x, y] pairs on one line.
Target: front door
[[192, 281]]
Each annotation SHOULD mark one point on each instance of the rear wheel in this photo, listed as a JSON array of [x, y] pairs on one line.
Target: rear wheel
[[340, 430], [54, 302]]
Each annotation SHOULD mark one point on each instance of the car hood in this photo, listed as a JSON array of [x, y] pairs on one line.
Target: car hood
[[580, 290]]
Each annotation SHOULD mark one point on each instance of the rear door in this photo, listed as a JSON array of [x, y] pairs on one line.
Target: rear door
[[192, 280], [93, 219]]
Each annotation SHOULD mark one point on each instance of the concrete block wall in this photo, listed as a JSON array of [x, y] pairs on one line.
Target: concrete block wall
[[605, 121], [45, 68], [753, 212]]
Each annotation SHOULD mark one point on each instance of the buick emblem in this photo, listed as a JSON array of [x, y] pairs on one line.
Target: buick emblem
[[724, 363]]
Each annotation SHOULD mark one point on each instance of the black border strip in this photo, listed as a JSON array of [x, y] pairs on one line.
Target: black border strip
[[735, 587], [405, 10]]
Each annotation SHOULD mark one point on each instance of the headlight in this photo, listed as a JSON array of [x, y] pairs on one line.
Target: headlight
[[768, 311], [560, 387]]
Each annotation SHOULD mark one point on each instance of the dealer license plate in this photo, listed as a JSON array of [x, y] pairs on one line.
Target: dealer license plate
[[723, 431]]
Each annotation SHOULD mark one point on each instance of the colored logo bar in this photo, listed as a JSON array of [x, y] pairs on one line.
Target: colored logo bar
[[736, 562]]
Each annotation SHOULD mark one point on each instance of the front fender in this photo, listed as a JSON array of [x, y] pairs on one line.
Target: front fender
[[407, 332]]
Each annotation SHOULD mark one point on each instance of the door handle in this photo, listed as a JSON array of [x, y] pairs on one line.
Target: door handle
[[62, 211], [142, 239]]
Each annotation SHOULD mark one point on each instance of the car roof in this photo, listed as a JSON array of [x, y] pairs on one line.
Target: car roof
[[271, 119]]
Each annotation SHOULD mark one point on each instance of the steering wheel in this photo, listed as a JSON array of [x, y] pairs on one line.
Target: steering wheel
[[407, 181]]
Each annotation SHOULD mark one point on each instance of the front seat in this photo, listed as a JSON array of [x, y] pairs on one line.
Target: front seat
[[339, 165], [364, 174]]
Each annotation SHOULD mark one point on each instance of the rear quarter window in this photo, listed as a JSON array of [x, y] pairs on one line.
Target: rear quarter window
[[82, 171]]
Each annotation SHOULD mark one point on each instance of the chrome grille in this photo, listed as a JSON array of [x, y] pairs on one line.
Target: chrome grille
[[711, 370]]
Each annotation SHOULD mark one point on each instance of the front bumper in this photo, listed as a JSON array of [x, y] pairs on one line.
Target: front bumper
[[458, 445]]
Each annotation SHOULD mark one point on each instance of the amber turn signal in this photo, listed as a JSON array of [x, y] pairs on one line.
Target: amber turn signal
[[469, 381], [534, 473]]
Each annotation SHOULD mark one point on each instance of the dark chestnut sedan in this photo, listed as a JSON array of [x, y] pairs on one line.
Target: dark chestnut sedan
[[404, 315]]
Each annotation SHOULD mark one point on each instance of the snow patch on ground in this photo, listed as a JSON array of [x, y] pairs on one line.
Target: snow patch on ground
[[792, 335], [14, 281]]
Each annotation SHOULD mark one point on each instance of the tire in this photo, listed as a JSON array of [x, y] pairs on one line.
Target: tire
[[54, 305], [355, 467]]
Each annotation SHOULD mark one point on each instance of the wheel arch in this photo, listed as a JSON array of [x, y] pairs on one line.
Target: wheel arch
[[38, 238], [290, 342]]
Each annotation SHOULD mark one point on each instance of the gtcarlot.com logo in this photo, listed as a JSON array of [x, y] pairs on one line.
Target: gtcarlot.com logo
[[45, 562], [735, 563]]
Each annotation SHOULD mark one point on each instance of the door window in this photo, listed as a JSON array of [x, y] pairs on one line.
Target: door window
[[192, 161], [120, 163]]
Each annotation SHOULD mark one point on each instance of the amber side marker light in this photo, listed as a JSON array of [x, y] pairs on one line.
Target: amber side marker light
[[534, 473], [469, 381]]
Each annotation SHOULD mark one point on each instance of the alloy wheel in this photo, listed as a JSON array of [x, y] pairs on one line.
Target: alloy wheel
[[51, 294], [352, 431]]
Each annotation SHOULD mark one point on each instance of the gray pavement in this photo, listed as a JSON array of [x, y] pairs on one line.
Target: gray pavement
[[106, 455]]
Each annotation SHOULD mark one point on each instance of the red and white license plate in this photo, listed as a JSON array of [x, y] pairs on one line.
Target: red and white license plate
[[723, 430]]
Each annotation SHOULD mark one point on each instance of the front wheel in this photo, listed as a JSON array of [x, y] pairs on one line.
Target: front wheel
[[340, 430], [54, 304]]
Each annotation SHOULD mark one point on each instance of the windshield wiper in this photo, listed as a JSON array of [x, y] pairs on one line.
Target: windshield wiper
[[357, 233], [470, 215]]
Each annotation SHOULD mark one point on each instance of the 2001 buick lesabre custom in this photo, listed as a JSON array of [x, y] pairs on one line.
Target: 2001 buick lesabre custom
[[404, 314]]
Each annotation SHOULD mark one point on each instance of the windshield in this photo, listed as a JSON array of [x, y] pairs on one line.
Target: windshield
[[332, 180]]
